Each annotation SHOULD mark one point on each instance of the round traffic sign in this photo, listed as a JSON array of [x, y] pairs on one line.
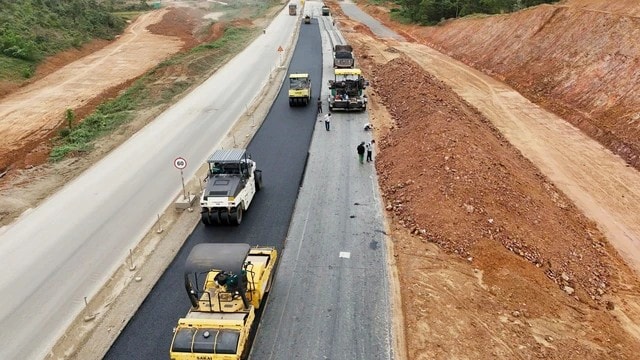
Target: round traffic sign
[[180, 163]]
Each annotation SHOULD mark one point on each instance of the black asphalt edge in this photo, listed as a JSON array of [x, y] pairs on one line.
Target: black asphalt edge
[[304, 172]]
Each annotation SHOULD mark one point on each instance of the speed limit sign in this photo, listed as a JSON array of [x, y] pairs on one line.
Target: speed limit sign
[[180, 163]]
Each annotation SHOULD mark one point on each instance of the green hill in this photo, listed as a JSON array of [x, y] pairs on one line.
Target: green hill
[[31, 30]]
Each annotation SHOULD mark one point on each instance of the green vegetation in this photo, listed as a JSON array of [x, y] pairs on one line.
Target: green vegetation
[[153, 89], [431, 12], [30, 30], [127, 5], [106, 117], [242, 9]]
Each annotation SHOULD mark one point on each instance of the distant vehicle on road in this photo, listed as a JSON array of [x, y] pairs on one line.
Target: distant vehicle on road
[[307, 19], [221, 320], [232, 182], [325, 10], [293, 9]]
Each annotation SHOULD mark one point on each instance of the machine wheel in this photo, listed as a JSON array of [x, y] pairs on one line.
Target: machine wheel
[[235, 216], [213, 216], [206, 219], [290, 102], [258, 176], [224, 217]]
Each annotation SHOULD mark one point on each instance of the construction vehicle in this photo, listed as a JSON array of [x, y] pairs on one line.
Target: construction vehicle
[[347, 90], [293, 9], [343, 56], [307, 19], [232, 182], [325, 10], [221, 321], [299, 89]]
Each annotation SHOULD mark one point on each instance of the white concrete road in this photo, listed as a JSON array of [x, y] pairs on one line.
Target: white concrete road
[[65, 249]]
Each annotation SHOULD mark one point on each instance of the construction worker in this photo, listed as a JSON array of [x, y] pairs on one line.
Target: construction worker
[[361, 149]]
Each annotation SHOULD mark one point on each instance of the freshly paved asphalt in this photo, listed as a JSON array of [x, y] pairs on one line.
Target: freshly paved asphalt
[[280, 150], [330, 298]]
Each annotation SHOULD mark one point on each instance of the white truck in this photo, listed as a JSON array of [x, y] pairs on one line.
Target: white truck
[[232, 182]]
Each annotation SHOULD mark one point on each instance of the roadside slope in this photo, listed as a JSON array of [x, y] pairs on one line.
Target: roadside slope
[[579, 60], [518, 266], [35, 111]]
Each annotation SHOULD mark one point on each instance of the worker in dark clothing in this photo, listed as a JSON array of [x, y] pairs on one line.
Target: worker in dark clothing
[[319, 105], [361, 149]]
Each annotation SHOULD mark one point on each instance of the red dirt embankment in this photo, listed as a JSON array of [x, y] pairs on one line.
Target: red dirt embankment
[[580, 60]]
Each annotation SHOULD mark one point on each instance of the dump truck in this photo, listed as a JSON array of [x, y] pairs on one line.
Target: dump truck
[[222, 319], [293, 9], [325, 10], [299, 89], [343, 56], [231, 184], [347, 90], [307, 19]]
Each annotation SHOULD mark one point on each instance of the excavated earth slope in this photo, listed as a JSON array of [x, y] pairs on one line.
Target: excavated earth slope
[[580, 59]]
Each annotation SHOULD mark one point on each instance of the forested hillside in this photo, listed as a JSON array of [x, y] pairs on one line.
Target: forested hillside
[[30, 30], [433, 11]]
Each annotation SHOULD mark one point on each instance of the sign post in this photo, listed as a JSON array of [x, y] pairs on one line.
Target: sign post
[[280, 50], [180, 164]]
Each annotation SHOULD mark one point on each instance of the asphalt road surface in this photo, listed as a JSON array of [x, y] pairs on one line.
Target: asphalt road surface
[[66, 249], [280, 150], [330, 299], [330, 295]]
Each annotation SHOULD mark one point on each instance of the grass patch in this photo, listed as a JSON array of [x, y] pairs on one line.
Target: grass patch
[[128, 15], [15, 70], [158, 87], [231, 36], [107, 117]]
